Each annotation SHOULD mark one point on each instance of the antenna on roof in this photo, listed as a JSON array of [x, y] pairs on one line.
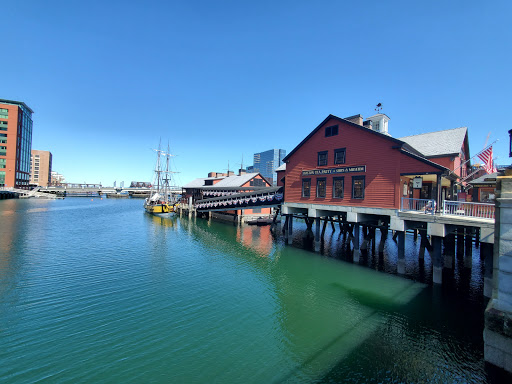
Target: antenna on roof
[[378, 107]]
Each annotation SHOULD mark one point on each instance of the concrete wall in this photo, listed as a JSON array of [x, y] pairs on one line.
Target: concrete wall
[[498, 315]]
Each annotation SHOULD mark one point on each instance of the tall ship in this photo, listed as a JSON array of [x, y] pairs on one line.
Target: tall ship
[[161, 201]]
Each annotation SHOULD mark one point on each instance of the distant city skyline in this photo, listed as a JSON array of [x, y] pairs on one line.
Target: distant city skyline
[[266, 163], [220, 81]]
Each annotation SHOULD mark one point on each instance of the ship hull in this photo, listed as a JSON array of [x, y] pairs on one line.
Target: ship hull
[[159, 209]]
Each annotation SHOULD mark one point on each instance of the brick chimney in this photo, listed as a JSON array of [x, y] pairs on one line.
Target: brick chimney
[[356, 119]]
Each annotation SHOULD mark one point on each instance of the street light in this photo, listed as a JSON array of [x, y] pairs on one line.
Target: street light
[[510, 143]]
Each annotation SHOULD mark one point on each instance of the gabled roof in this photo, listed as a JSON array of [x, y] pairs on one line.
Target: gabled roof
[[236, 181], [282, 167], [440, 143], [200, 182], [404, 147], [225, 181], [486, 179], [421, 158], [396, 141]]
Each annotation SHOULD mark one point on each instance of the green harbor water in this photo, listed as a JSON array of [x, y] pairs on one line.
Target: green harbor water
[[98, 291]]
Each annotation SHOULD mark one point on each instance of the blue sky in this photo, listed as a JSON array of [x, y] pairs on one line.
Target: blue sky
[[221, 80]]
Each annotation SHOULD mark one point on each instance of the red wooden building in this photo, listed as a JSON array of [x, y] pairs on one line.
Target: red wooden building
[[449, 148], [219, 187], [343, 163]]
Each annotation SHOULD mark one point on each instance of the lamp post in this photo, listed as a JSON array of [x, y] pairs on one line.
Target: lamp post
[[510, 143]]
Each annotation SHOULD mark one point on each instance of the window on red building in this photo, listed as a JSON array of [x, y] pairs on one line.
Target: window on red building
[[306, 187], [339, 156], [322, 158], [321, 185], [358, 187], [331, 131], [337, 187]]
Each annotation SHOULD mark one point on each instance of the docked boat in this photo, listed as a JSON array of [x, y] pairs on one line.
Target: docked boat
[[117, 195], [161, 200]]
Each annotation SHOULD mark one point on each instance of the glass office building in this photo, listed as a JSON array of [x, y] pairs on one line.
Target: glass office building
[[15, 143], [267, 162]]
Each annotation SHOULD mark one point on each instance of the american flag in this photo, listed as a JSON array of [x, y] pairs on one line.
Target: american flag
[[486, 157]]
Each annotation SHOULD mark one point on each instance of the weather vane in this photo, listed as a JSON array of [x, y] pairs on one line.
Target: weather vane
[[378, 108]]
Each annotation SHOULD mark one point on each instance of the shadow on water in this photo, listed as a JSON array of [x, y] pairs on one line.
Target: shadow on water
[[441, 342], [434, 337], [444, 323]]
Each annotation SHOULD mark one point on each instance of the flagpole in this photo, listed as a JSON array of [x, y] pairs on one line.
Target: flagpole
[[472, 157]]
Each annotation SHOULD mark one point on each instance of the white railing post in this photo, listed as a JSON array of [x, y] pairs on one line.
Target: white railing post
[[465, 209]]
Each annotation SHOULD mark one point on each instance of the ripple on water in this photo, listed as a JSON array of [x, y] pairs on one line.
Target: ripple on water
[[97, 291]]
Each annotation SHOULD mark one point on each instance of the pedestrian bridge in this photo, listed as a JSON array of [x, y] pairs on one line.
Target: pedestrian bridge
[[230, 201]]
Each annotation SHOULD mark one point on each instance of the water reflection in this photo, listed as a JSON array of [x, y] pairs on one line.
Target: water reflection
[[112, 294], [326, 308], [258, 239]]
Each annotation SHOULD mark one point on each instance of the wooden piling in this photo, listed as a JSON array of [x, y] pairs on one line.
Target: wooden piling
[[317, 234], [460, 241], [383, 237], [486, 252], [401, 251], [355, 242], [437, 260], [449, 250], [324, 226]]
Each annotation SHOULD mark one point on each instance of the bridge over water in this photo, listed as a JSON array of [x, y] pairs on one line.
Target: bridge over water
[[259, 198], [98, 189]]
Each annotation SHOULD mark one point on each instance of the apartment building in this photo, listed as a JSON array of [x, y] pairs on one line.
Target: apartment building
[[41, 168], [15, 143]]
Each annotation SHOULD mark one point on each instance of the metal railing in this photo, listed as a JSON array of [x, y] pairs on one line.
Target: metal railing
[[455, 208], [462, 208], [418, 205]]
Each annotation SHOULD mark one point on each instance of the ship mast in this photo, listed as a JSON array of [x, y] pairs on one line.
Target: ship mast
[[158, 170]]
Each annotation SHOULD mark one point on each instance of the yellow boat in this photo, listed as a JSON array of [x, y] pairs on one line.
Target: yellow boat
[[160, 201], [158, 208]]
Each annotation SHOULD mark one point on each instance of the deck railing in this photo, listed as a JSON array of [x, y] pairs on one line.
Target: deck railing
[[462, 208], [456, 208], [418, 205]]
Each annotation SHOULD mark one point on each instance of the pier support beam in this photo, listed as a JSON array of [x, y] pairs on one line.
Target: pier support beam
[[285, 228], [371, 233], [290, 229], [460, 241], [468, 246], [449, 250], [317, 234], [383, 237], [355, 241], [308, 233], [401, 252], [486, 253], [366, 238], [424, 244], [437, 259]]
